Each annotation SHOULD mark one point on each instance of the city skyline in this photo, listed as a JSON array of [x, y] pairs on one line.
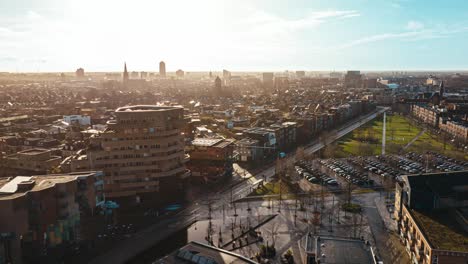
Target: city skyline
[[57, 36]]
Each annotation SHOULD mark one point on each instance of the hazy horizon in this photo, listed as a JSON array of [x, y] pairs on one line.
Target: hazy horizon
[[242, 35]]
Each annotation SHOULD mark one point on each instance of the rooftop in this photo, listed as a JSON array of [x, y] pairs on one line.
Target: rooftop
[[442, 230], [34, 151], [206, 142], [9, 187], [212, 142], [146, 108], [442, 183], [199, 253], [340, 250]]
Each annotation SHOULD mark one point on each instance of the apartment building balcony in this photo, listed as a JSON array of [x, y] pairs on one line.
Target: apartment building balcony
[[419, 252], [414, 259], [186, 158], [186, 174]]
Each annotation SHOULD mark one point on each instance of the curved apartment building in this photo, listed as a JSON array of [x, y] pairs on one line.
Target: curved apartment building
[[142, 155]]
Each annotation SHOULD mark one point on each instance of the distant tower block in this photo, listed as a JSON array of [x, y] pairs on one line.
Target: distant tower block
[[218, 86], [162, 69]]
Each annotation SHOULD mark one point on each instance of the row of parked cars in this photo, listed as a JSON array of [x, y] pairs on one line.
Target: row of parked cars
[[438, 161], [379, 168], [312, 175], [347, 172], [449, 160]]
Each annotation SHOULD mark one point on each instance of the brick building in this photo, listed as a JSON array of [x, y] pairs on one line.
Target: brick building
[[432, 216], [425, 114], [30, 162], [142, 155], [210, 159]]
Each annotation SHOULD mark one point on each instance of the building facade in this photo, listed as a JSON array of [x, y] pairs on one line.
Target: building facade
[[162, 69], [30, 162], [41, 214], [210, 159], [431, 216]]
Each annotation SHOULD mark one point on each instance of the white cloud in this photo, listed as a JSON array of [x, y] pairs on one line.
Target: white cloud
[[414, 25], [33, 15]]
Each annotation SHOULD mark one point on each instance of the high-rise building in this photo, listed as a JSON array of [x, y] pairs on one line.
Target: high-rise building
[[162, 69], [226, 74], [218, 88], [125, 74], [79, 73], [268, 80], [353, 79], [142, 155], [180, 73], [300, 74]]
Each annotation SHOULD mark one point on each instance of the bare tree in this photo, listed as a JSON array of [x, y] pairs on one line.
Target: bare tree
[[272, 230]]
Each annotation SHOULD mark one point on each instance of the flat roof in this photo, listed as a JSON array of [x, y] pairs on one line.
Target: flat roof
[[442, 230], [9, 186], [212, 142], [206, 142], [146, 108], [198, 253], [33, 151], [12, 186], [341, 250]]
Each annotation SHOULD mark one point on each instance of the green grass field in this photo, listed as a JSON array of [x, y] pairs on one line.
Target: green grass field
[[367, 140]]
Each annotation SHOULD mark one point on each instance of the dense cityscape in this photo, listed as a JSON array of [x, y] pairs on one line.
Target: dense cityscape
[[132, 167], [234, 131]]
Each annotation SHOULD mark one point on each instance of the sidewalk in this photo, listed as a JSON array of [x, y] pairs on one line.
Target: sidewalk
[[387, 218]]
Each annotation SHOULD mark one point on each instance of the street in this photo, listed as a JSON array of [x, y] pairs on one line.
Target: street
[[241, 186]]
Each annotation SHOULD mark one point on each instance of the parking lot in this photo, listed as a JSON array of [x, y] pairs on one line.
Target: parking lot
[[313, 175], [373, 171]]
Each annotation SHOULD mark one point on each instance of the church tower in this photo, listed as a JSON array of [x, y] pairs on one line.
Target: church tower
[[125, 74]]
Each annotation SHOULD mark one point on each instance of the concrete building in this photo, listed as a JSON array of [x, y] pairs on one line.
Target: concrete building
[[218, 86], [31, 161], [42, 213], [162, 69], [300, 74], [180, 73], [285, 135], [248, 150], [432, 216], [210, 159], [268, 80], [77, 119], [142, 155], [353, 79]]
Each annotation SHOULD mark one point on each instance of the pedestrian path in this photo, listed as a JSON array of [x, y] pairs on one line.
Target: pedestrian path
[[414, 139], [390, 224]]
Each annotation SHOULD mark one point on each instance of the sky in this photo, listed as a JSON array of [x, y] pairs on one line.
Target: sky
[[238, 35]]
